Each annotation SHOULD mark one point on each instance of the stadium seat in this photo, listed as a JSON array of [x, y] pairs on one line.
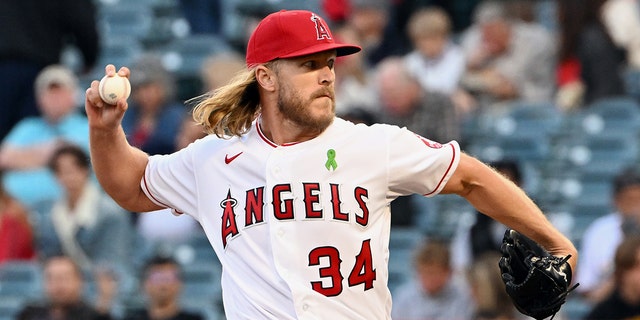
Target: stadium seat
[[20, 278], [612, 116], [546, 13], [529, 119], [397, 278], [184, 56], [583, 216], [400, 264], [632, 83], [311, 5], [404, 237], [202, 281], [10, 306], [596, 141], [119, 51], [448, 210], [576, 307], [533, 149], [128, 18], [604, 155]]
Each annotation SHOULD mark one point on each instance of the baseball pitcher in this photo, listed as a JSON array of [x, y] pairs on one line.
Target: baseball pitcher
[[295, 201]]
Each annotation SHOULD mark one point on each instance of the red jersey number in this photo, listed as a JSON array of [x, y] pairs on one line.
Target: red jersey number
[[362, 272]]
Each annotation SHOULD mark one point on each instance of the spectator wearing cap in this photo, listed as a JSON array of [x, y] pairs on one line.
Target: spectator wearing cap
[[154, 116], [603, 235], [25, 151]]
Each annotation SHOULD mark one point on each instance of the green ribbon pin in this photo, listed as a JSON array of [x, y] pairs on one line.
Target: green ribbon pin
[[331, 160]]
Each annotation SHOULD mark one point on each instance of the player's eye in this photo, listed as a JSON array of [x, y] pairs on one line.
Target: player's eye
[[310, 64], [331, 63]]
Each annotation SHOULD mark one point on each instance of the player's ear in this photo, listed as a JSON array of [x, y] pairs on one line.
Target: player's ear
[[266, 78]]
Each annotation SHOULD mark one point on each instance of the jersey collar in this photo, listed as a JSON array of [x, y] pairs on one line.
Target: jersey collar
[[265, 139]]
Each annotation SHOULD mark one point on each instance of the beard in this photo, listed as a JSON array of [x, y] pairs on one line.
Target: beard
[[296, 109]]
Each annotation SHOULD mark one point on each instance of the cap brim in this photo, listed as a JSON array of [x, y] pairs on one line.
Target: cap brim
[[341, 50]]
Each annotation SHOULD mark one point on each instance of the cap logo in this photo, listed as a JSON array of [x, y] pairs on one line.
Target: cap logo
[[322, 31]]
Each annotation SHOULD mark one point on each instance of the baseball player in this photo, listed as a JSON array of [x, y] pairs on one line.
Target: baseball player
[[295, 201]]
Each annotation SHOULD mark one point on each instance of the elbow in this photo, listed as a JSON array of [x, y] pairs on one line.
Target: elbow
[[128, 205], [134, 202], [466, 189]]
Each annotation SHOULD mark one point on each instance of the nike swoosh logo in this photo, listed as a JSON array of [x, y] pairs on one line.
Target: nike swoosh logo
[[228, 159]]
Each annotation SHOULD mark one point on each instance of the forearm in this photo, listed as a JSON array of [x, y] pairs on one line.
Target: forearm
[[13, 158], [496, 196], [119, 168], [505, 202]]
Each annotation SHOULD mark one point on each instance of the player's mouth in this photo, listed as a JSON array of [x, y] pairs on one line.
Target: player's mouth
[[324, 93]]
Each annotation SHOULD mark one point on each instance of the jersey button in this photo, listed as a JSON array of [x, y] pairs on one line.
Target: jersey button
[[280, 233], [305, 307]]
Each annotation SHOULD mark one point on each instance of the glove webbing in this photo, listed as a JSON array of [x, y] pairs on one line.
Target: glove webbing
[[561, 298]]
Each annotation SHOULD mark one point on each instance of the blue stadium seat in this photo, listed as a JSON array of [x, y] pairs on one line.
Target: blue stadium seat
[[546, 13], [402, 244], [20, 278], [583, 216], [128, 18], [576, 307], [448, 209], [632, 83], [612, 116], [311, 5], [533, 149], [201, 281], [185, 56], [400, 265], [604, 155], [405, 237], [529, 119], [397, 278], [593, 190], [206, 309], [119, 51], [10, 306], [600, 140]]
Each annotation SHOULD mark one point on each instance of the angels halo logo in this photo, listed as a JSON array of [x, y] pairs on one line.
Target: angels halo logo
[[429, 143]]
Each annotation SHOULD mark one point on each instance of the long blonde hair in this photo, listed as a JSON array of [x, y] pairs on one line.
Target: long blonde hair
[[230, 109]]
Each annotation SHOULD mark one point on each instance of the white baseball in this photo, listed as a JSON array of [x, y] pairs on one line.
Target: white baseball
[[114, 88]]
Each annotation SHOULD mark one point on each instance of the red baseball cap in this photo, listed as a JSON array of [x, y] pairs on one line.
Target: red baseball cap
[[294, 33]]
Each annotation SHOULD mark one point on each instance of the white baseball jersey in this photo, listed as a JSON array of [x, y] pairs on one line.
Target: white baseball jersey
[[302, 229]]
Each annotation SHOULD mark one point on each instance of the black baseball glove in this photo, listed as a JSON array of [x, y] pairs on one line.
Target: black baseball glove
[[536, 281]]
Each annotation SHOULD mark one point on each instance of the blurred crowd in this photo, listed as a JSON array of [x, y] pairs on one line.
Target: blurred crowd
[[431, 66]]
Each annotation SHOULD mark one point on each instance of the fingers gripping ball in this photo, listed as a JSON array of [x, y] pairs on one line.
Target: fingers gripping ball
[[536, 281], [114, 88]]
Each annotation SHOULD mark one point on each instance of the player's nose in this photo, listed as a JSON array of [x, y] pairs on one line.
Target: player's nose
[[326, 75]]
